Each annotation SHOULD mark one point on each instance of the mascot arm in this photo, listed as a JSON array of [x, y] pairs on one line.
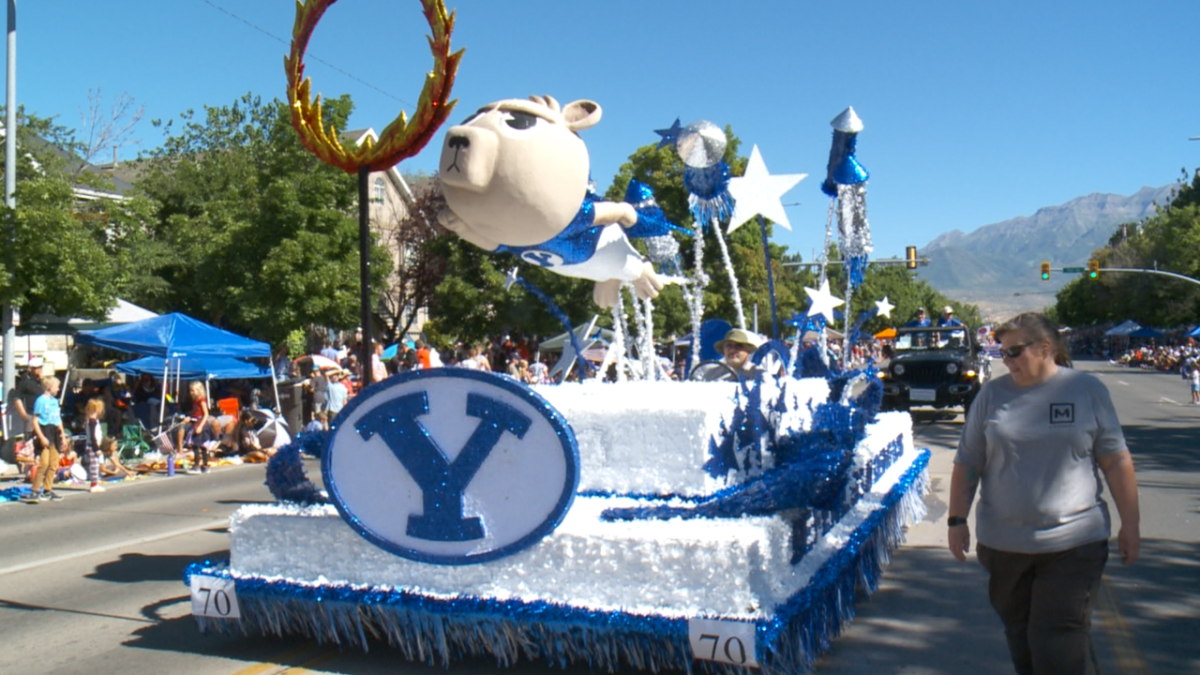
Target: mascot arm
[[615, 212], [458, 226]]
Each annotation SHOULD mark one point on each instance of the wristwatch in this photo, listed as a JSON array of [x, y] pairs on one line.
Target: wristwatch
[[955, 521]]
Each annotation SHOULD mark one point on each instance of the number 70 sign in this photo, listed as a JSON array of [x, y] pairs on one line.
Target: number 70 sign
[[214, 597], [723, 641]]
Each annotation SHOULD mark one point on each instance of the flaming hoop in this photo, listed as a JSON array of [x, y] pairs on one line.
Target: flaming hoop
[[400, 139]]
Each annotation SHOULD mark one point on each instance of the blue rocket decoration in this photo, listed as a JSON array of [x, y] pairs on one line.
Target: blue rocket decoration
[[654, 229], [701, 146], [845, 181]]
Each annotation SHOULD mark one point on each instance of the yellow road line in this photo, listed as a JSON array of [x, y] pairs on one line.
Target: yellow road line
[[302, 657], [1126, 654]]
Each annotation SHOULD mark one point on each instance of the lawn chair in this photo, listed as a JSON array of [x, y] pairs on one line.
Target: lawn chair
[[134, 442]]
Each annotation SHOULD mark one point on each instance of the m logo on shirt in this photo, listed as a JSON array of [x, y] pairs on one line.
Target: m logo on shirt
[[1062, 413]]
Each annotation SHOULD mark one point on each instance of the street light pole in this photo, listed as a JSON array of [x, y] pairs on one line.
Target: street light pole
[[10, 200]]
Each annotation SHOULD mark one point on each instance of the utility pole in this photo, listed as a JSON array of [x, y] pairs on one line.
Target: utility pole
[[10, 200]]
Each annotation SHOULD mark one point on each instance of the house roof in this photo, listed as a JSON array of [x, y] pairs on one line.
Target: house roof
[[119, 187]]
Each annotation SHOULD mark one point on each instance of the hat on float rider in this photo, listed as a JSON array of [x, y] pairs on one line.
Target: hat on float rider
[[947, 310], [740, 336]]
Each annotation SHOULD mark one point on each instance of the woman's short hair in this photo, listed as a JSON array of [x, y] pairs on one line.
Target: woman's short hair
[[1036, 327]]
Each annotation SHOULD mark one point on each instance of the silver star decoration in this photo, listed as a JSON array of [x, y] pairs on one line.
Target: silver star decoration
[[823, 301], [759, 193]]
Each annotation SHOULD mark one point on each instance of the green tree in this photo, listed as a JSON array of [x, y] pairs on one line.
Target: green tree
[[260, 236], [65, 256]]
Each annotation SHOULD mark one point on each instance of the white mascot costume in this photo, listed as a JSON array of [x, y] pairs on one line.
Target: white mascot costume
[[515, 176]]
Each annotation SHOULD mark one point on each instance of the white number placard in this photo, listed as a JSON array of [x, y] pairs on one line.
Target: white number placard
[[214, 597], [923, 394], [724, 641]]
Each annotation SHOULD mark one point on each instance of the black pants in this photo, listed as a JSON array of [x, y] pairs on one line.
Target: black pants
[[1045, 601]]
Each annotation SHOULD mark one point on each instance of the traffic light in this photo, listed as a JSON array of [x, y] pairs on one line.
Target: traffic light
[[1045, 271], [910, 257], [1093, 269]]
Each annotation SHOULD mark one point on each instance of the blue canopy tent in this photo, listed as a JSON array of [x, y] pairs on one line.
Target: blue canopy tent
[[1145, 333], [1195, 332], [196, 368], [174, 337]]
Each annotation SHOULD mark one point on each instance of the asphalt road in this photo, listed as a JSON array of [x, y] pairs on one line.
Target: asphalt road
[[92, 584]]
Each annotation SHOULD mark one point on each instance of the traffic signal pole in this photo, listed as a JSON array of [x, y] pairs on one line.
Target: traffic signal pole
[[1082, 270], [1143, 271]]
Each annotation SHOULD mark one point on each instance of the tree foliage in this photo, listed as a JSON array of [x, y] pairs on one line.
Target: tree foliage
[[257, 235], [65, 256]]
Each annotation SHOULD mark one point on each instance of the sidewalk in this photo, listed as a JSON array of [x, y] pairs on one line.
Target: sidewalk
[[930, 615]]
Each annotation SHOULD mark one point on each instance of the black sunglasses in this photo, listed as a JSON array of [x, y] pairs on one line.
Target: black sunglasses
[[1014, 351]]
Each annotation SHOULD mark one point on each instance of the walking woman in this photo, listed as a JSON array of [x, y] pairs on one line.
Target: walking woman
[[1035, 445]]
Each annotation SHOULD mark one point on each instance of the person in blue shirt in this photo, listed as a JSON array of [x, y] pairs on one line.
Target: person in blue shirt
[[922, 321], [47, 441], [948, 318]]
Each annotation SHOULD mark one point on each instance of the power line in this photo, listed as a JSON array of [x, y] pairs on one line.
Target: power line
[[307, 55]]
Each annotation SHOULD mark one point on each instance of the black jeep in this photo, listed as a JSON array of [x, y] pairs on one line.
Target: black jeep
[[934, 368]]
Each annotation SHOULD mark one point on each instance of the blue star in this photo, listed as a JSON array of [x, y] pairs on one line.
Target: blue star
[[669, 136]]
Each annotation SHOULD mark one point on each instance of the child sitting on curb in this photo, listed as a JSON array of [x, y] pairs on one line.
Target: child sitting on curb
[[112, 466]]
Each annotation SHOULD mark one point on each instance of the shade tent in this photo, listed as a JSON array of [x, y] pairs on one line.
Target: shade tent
[[1195, 332], [174, 337], [196, 368], [1123, 329], [1146, 333], [49, 324]]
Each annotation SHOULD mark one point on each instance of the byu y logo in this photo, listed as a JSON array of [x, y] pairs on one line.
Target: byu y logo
[[451, 466], [542, 258]]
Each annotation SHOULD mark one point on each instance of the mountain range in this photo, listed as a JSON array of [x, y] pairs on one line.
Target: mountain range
[[997, 266]]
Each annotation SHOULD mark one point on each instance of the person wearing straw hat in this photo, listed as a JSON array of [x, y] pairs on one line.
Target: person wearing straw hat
[[736, 348], [948, 318]]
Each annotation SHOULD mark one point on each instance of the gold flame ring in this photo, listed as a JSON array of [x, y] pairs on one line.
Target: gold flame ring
[[400, 139]]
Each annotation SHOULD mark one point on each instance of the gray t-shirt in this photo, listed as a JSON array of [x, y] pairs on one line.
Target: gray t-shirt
[[1036, 449]]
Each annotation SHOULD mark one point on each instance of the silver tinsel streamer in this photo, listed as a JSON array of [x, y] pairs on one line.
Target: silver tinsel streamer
[[645, 324], [733, 282], [854, 232], [617, 349], [696, 304], [821, 341]]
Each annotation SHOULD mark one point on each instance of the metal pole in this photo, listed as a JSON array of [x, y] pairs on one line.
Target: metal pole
[[762, 224], [10, 200], [364, 270]]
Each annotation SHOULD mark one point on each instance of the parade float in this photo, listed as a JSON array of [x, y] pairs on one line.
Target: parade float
[[644, 523]]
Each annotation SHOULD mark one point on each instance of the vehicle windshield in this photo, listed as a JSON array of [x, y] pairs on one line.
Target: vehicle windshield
[[931, 338]]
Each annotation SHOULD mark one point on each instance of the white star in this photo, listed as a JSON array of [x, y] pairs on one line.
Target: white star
[[884, 308], [758, 192], [823, 301]]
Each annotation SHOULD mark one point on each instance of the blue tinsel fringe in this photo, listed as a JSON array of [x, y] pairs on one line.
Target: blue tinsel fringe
[[439, 631]]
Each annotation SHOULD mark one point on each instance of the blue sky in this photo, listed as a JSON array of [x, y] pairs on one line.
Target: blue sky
[[974, 112]]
